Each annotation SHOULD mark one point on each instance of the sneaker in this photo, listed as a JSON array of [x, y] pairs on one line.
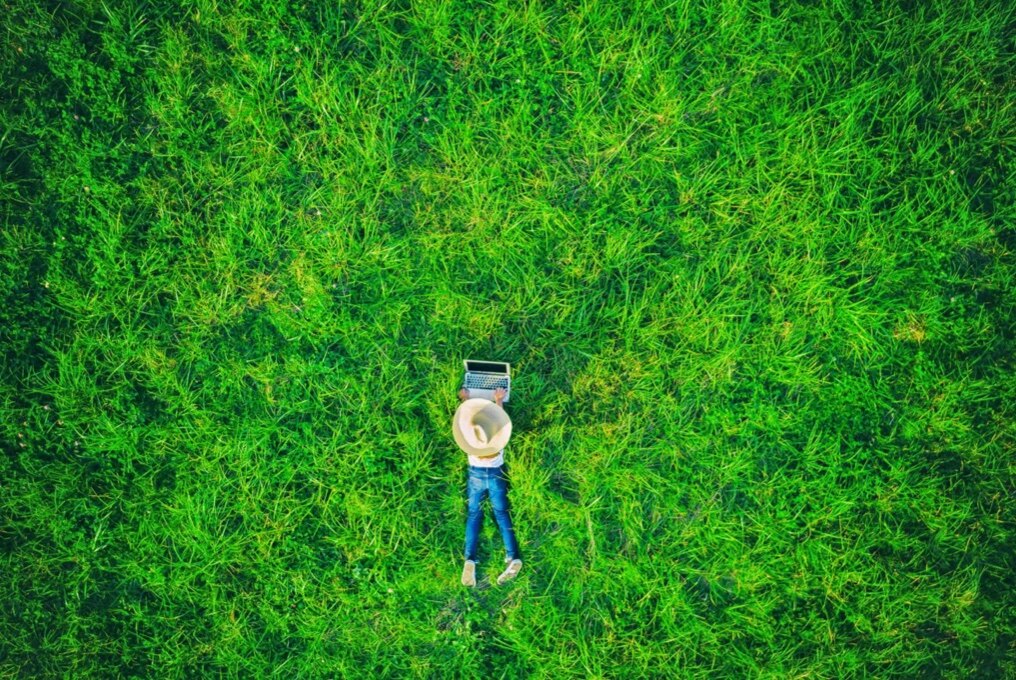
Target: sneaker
[[510, 571], [469, 573]]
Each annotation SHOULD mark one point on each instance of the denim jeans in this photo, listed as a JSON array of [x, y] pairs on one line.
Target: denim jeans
[[491, 482]]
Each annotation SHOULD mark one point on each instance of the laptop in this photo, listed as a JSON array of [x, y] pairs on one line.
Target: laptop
[[483, 377]]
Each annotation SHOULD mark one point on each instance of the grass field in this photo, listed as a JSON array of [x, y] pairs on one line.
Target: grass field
[[752, 263]]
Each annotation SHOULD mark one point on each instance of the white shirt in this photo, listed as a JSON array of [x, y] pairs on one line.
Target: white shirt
[[487, 461]]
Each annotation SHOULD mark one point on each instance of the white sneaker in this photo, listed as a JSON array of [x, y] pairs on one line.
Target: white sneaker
[[469, 573], [510, 571]]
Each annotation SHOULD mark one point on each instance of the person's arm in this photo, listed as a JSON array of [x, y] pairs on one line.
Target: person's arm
[[499, 396], [463, 394]]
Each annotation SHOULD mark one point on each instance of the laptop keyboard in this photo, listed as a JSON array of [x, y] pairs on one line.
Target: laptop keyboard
[[480, 381]]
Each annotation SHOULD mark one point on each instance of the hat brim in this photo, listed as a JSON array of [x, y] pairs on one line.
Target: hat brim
[[464, 417]]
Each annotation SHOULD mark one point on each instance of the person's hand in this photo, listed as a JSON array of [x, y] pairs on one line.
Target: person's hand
[[463, 394], [499, 395]]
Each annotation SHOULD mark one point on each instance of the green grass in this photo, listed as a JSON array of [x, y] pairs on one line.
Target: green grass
[[752, 262]]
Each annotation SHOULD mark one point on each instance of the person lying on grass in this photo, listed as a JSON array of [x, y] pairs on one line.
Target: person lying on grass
[[481, 429]]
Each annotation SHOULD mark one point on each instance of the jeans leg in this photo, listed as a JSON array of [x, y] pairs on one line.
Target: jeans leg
[[502, 515], [476, 490]]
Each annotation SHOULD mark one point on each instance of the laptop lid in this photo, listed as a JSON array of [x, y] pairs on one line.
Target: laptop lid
[[487, 367]]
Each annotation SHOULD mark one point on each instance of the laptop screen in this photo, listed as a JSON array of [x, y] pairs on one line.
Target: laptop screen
[[487, 366]]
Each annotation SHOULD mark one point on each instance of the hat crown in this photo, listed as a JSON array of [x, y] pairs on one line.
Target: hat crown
[[481, 427]]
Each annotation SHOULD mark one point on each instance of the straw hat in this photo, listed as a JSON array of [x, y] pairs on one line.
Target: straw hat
[[481, 427]]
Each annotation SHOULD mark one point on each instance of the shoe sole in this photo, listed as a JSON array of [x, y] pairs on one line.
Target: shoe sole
[[509, 574], [469, 576]]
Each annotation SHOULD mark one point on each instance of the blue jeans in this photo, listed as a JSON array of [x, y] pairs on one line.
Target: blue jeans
[[491, 482]]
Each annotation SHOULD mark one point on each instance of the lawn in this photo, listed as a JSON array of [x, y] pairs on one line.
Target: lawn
[[752, 263]]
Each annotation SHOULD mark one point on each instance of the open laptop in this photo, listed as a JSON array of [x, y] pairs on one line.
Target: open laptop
[[483, 377]]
